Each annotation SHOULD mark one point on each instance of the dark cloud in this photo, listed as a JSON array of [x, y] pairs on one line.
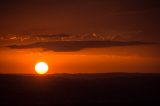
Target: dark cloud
[[71, 46], [53, 35]]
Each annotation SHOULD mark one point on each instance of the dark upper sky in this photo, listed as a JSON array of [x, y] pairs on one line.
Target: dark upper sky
[[135, 17]]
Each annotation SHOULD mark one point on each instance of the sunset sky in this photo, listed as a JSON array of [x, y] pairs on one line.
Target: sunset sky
[[80, 36]]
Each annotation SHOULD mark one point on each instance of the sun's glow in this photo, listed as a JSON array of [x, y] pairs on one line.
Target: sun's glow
[[41, 67]]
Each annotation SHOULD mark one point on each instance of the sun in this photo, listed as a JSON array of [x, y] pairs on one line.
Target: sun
[[41, 68]]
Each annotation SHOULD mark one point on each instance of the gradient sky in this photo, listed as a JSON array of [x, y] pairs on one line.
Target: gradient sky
[[80, 36]]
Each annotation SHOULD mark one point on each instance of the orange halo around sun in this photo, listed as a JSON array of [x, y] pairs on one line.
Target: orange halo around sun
[[41, 68]]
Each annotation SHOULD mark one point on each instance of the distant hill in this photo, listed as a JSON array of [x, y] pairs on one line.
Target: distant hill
[[136, 88]]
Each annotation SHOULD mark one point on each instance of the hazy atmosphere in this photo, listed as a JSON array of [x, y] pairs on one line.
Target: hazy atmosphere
[[80, 36], [77, 52]]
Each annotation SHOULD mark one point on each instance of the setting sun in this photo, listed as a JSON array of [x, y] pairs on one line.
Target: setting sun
[[41, 67]]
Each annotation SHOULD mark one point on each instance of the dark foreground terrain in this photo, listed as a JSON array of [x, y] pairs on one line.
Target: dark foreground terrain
[[80, 89]]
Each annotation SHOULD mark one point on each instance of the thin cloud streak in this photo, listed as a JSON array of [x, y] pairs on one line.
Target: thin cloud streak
[[72, 46]]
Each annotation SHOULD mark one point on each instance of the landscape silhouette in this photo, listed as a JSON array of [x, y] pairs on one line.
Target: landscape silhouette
[[111, 88]]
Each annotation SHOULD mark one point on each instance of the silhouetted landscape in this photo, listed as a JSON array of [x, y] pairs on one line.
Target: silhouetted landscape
[[97, 89], [77, 52]]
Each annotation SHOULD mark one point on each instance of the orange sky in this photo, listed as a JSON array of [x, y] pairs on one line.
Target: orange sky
[[98, 60], [80, 36]]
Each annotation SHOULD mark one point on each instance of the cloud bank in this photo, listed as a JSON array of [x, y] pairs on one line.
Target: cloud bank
[[71, 46]]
